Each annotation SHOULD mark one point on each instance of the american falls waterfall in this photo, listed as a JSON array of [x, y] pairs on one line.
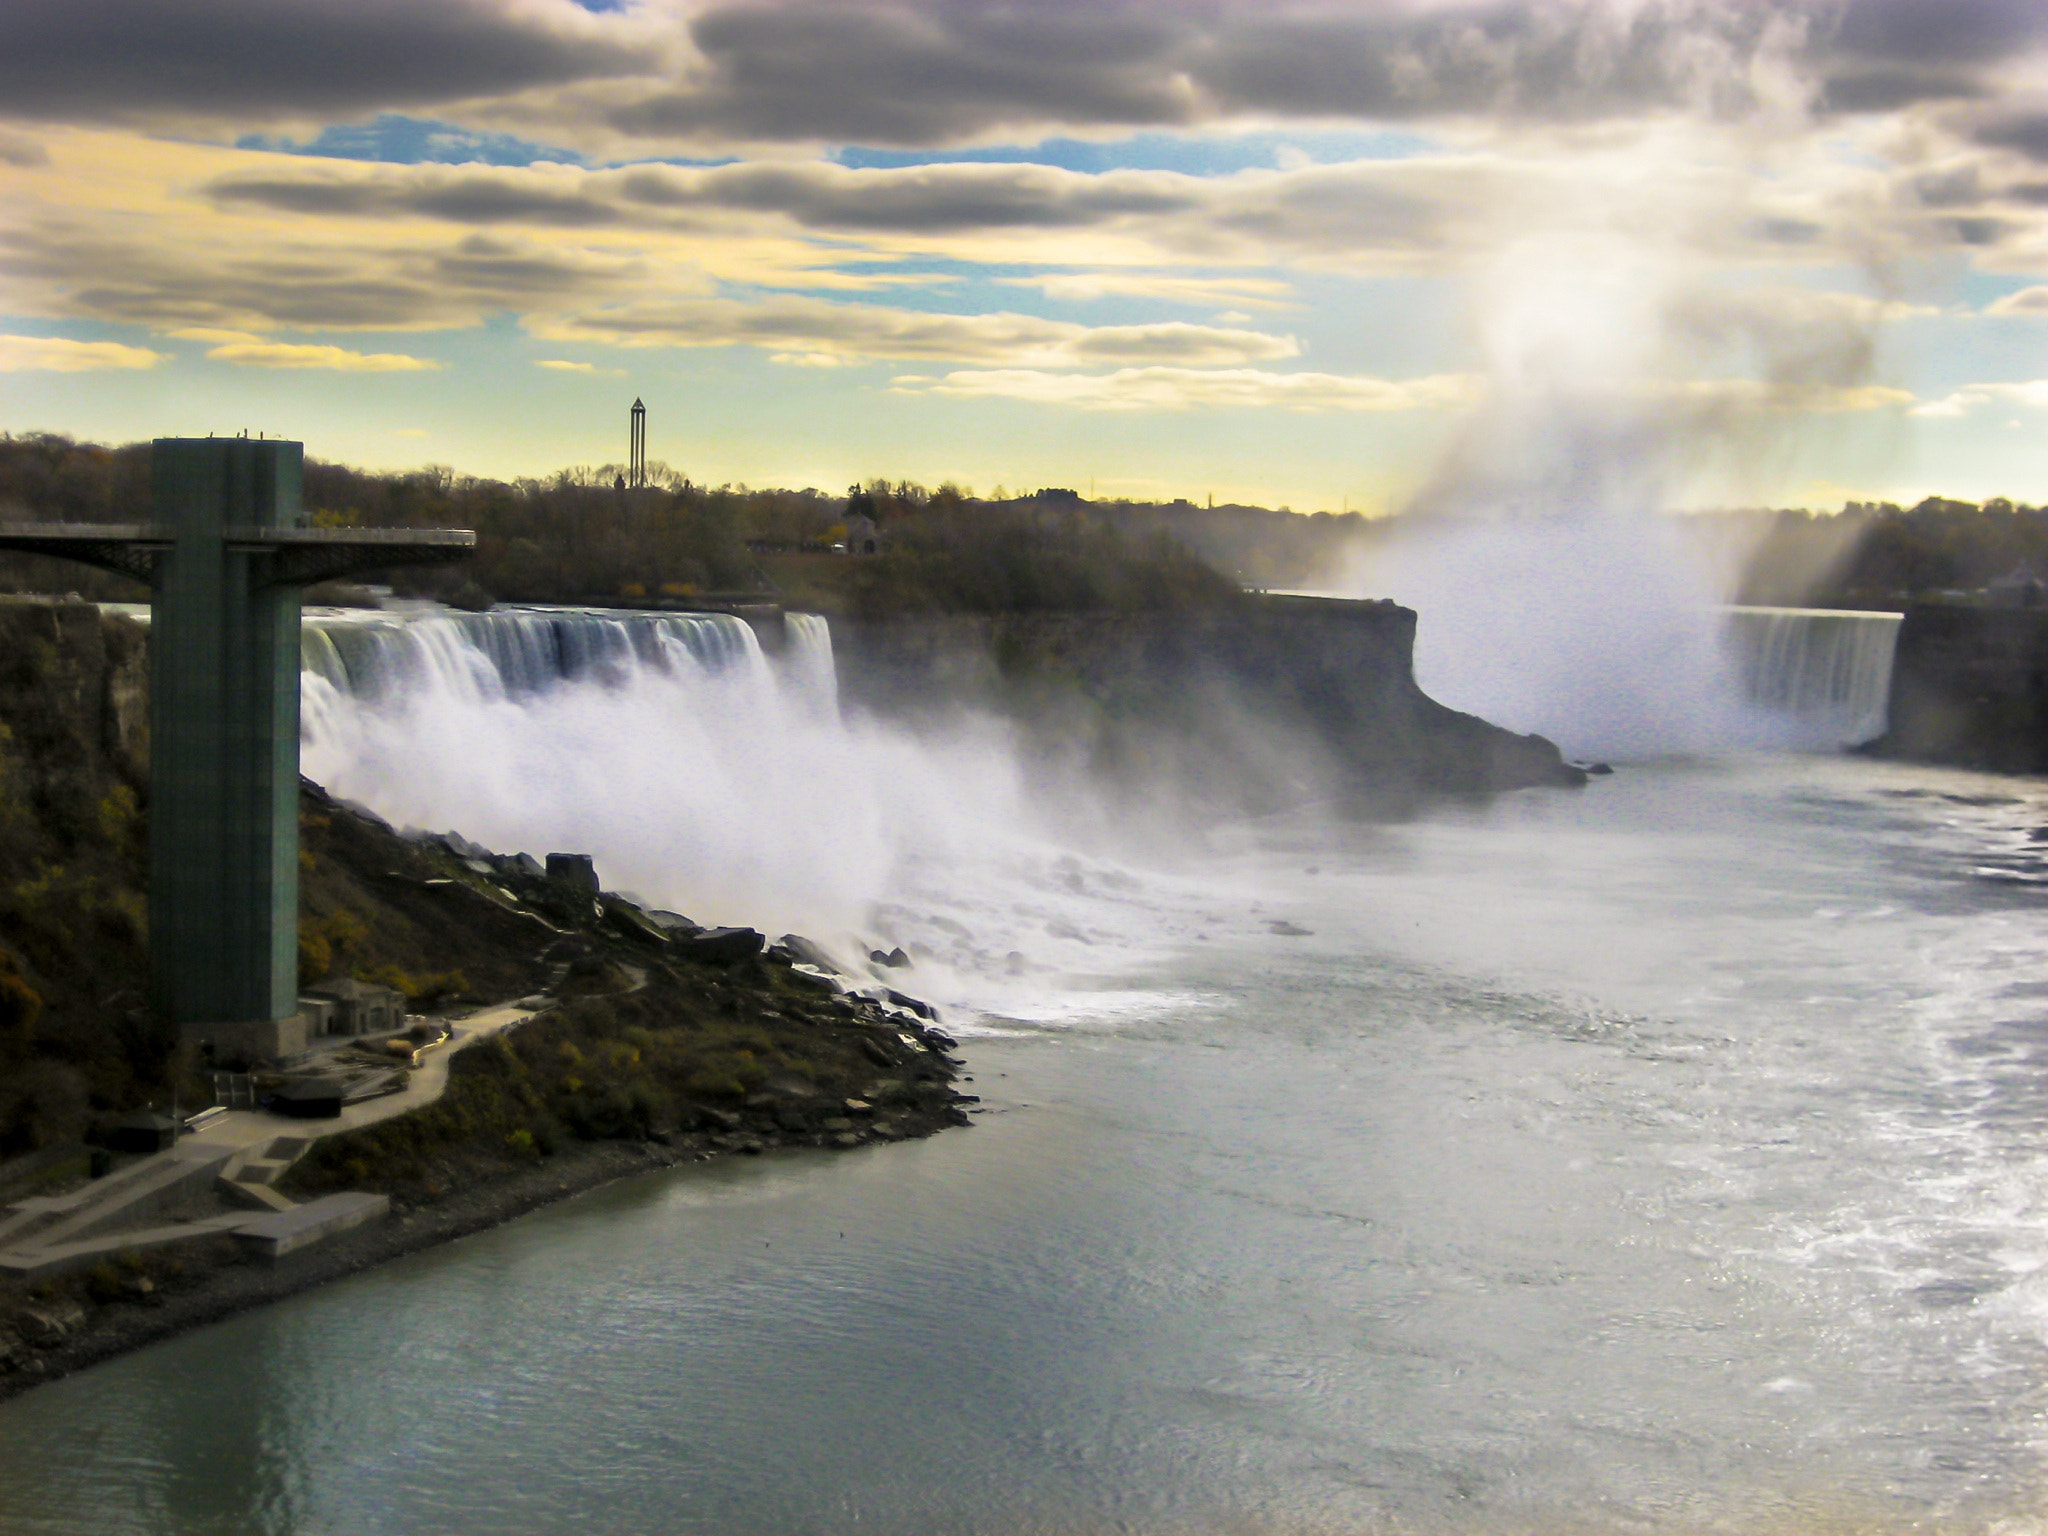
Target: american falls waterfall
[[703, 773], [1823, 676]]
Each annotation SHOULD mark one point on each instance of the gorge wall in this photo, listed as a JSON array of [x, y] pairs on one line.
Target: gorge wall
[[1970, 688], [1253, 706]]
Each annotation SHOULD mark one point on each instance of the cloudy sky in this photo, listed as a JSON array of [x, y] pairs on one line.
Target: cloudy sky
[[1300, 251]]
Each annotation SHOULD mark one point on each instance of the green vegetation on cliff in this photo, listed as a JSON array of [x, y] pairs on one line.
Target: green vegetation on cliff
[[698, 1058]]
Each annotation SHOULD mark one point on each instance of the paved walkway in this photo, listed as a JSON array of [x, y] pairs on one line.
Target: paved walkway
[[240, 1128], [88, 1225]]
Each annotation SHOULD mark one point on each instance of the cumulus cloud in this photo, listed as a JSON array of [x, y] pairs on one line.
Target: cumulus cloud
[[1407, 214], [2030, 303], [1962, 402], [920, 200], [57, 354], [808, 329], [272, 276], [283, 354], [1180, 389], [1206, 292]]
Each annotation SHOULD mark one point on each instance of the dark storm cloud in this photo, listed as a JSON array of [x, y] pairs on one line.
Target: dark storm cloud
[[2027, 133], [130, 60], [928, 75], [461, 197], [1518, 60], [1884, 55], [941, 73], [890, 75], [1939, 32], [895, 72]]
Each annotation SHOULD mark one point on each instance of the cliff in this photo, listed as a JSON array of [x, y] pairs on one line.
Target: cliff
[[1249, 706], [74, 752], [1970, 688], [704, 1030]]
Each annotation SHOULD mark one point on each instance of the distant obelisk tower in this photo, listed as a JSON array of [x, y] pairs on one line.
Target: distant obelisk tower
[[636, 453]]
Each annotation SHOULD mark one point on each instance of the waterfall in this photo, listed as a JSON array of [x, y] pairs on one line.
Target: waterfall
[[702, 773], [716, 779], [1824, 675]]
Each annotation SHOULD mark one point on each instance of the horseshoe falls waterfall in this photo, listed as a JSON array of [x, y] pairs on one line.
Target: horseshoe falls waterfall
[[1664, 1155], [1822, 676]]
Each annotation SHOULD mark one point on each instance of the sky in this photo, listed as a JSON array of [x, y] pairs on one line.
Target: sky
[[1323, 254]]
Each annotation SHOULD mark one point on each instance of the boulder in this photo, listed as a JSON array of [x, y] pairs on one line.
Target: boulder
[[50, 1323], [574, 869], [724, 946], [917, 1006], [805, 952]]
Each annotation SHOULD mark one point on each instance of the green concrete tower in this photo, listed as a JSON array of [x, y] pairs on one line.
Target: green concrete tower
[[224, 734], [225, 557]]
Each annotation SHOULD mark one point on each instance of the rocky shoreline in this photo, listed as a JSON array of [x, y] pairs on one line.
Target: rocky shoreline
[[658, 1043], [68, 1326]]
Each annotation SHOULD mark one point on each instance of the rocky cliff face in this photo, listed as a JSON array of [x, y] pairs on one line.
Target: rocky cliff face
[[1262, 704], [1970, 689], [74, 698], [74, 755]]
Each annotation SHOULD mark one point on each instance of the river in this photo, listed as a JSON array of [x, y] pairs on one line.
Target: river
[[1668, 1156]]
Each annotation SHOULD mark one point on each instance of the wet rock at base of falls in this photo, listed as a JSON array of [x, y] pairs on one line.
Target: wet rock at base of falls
[[895, 959], [724, 946], [803, 951], [916, 1005]]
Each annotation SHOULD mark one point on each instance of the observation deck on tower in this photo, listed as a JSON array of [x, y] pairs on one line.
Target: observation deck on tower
[[225, 558]]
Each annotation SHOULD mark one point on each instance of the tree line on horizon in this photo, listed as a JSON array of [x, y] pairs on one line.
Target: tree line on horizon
[[577, 536]]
